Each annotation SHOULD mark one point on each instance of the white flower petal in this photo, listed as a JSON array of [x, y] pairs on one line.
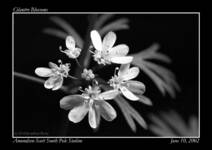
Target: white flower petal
[[131, 73], [77, 52], [92, 118], [53, 65], [108, 95], [108, 41], [69, 53], [70, 42], [72, 53], [58, 83], [123, 69], [107, 111], [43, 72], [96, 40], [78, 113], [121, 59], [128, 94], [49, 83], [71, 101], [119, 50], [53, 82], [97, 111]]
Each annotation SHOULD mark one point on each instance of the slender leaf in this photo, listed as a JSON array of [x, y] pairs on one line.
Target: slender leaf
[[151, 53], [124, 108], [55, 32], [129, 112], [172, 124], [160, 56], [68, 28], [157, 80], [160, 127], [163, 78], [144, 99], [126, 114], [119, 21], [147, 52], [114, 26], [160, 83], [102, 19], [193, 123], [170, 90], [137, 117], [134, 113], [161, 131], [164, 73], [160, 70], [175, 121]]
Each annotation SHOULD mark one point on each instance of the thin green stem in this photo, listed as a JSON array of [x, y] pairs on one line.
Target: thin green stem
[[34, 79], [28, 77], [84, 58]]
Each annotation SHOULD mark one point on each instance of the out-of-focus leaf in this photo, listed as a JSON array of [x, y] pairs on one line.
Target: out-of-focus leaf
[[175, 121], [126, 114], [160, 70], [113, 28], [55, 32], [115, 25], [160, 127], [128, 111], [121, 21], [144, 100], [167, 76], [152, 53], [163, 78], [163, 82], [68, 28], [193, 123], [102, 19], [172, 124], [157, 80], [161, 131], [161, 57], [122, 106], [132, 112], [152, 49], [137, 117]]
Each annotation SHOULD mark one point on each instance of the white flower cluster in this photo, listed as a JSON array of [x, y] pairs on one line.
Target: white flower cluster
[[105, 53], [92, 100]]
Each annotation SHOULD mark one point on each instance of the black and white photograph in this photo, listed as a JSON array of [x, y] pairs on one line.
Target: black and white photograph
[[114, 75]]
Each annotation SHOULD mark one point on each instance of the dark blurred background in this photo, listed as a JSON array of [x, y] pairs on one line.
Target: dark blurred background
[[36, 109]]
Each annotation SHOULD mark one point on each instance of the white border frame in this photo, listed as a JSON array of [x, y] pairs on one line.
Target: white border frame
[[78, 137]]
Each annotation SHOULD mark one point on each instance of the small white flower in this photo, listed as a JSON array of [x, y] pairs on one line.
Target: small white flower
[[72, 51], [105, 53], [87, 74], [123, 82], [55, 74], [91, 101]]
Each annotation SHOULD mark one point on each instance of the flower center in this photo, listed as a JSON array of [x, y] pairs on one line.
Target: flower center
[[91, 94], [87, 74], [101, 57], [62, 70], [116, 82]]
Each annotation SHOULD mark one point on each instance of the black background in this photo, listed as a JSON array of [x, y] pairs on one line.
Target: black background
[[36, 109]]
